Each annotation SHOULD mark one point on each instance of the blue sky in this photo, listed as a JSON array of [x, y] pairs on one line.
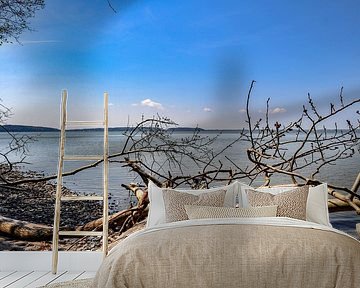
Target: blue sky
[[192, 61]]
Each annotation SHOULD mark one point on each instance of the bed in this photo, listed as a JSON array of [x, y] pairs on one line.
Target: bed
[[214, 247]]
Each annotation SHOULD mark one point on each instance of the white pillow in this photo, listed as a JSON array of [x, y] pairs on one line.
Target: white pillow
[[202, 212], [317, 202], [157, 207]]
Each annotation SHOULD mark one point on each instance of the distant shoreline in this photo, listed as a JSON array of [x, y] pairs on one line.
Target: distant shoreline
[[28, 128]]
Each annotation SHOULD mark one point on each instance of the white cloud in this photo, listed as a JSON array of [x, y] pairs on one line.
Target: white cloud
[[152, 104], [39, 41], [111, 104], [242, 110], [207, 109], [134, 104], [277, 110]]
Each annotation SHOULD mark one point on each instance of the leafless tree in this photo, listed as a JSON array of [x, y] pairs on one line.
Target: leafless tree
[[285, 149], [268, 152], [153, 151], [14, 17], [312, 146], [14, 153]]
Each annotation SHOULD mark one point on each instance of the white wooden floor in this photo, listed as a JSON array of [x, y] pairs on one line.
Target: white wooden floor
[[32, 269], [32, 279]]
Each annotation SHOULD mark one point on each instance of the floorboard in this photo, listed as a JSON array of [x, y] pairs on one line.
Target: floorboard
[[87, 275], [31, 269], [34, 279], [5, 274], [46, 279], [12, 278], [68, 276], [28, 279]]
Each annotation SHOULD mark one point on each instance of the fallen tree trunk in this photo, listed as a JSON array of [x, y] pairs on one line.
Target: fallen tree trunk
[[343, 202], [120, 219], [24, 230], [115, 220], [37, 232]]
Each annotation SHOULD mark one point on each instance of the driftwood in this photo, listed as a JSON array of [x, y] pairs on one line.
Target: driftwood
[[24, 230], [343, 202], [115, 220], [126, 219], [337, 205], [122, 218], [340, 202]]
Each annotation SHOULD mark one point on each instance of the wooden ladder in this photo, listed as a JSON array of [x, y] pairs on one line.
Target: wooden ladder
[[62, 157]]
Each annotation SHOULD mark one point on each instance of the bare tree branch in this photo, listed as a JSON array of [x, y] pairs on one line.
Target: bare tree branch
[[14, 15], [152, 151]]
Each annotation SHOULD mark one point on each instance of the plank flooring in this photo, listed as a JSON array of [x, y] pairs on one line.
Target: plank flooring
[[33, 279], [31, 269]]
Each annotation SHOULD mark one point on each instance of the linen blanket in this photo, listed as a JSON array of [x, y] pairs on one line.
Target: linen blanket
[[252, 252]]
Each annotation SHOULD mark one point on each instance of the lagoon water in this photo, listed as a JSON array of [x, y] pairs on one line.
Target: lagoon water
[[43, 157]]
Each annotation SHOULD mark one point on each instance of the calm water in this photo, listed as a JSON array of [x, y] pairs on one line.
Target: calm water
[[43, 157]]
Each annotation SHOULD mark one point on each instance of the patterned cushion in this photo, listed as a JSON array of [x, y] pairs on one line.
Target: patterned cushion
[[290, 204], [157, 207], [201, 212], [175, 201]]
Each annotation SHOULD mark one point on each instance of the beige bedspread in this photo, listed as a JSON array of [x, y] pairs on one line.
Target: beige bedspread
[[233, 255]]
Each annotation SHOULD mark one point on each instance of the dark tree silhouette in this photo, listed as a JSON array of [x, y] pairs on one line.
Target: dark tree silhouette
[[14, 17], [14, 153]]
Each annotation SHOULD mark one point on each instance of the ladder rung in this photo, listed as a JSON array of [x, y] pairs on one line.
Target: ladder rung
[[83, 157], [82, 198], [84, 123], [80, 233]]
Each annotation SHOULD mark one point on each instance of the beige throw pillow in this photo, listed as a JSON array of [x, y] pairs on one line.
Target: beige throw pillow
[[175, 201], [290, 204], [201, 212]]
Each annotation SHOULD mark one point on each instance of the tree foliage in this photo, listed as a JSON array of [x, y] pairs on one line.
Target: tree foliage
[[14, 17]]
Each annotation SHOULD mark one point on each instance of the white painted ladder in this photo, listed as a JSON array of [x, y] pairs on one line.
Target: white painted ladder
[[62, 157]]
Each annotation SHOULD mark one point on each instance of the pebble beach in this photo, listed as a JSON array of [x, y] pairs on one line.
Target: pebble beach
[[34, 203]]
